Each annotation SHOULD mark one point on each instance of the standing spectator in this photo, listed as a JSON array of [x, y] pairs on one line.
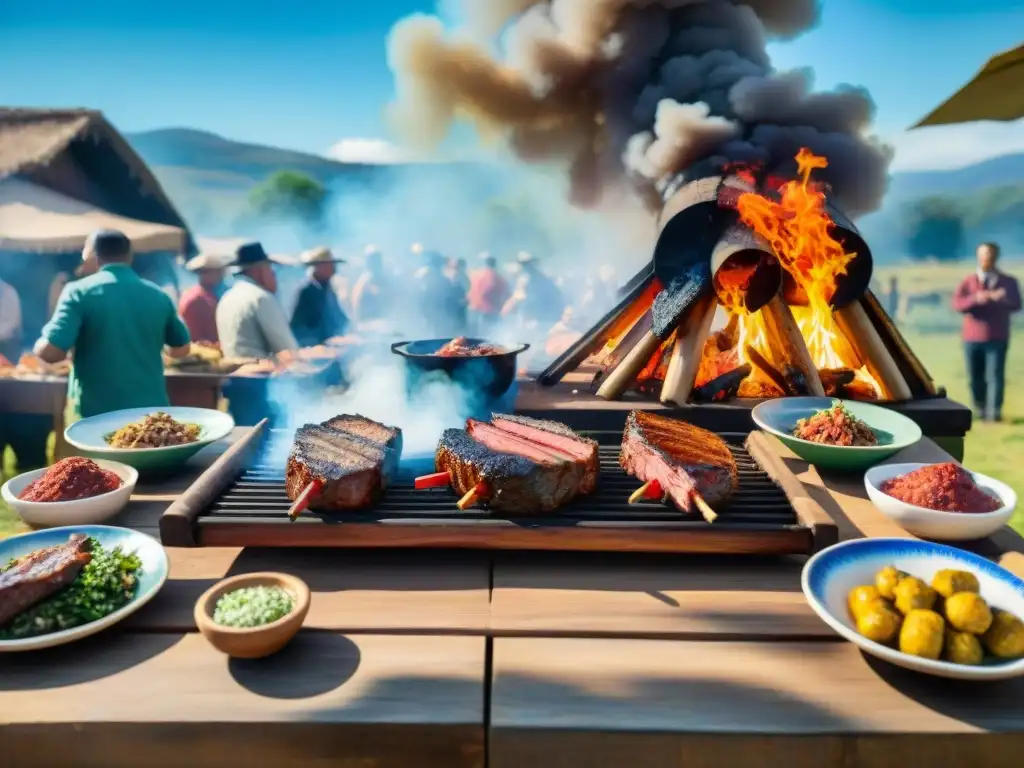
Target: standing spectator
[[10, 322], [374, 294], [488, 292], [537, 301], [318, 315], [250, 320], [118, 325], [438, 300], [198, 305], [987, 299], [893, 298]]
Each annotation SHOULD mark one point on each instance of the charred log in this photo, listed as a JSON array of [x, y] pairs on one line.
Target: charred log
[[767, 370], [723, 387], [686, 352]]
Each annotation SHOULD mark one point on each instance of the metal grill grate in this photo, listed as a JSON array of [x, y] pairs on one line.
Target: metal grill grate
[[258, 496]]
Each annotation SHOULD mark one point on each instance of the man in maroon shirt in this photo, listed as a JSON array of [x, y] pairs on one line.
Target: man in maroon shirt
[[198, 305], [987, 299]]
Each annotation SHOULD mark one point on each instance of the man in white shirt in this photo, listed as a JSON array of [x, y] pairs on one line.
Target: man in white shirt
[[10, 322], [250, 320]]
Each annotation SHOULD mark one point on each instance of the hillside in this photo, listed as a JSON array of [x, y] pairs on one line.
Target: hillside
[[209, 176]]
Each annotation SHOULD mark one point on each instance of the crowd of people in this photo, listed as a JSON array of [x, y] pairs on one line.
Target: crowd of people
[[119, 326]]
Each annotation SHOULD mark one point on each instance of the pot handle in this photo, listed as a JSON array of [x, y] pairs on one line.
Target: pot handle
[[395, 348]]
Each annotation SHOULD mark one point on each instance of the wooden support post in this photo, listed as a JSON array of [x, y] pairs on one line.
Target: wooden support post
[[686, 352], [856, 326]]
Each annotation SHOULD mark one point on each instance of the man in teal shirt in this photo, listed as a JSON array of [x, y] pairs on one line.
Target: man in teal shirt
[[117, 325]]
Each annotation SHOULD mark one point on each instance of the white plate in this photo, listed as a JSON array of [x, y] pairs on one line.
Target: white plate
[[829, 576], [96, 509], [932, 524], [154, 574]]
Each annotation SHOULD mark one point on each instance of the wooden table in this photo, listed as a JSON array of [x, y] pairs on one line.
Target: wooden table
[[47, 396], [509, 660]]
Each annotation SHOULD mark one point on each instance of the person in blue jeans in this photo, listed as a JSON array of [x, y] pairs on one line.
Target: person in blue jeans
[[987, 299]]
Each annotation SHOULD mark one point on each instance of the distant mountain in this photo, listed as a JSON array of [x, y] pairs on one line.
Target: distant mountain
[[998, 171], [208, 177]]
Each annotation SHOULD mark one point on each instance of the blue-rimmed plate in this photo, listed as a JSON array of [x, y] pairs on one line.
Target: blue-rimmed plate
[[152, 578], [88, 436], [829, 576]]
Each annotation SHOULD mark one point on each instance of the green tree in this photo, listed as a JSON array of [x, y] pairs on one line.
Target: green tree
[[935, 230], [290, 195]]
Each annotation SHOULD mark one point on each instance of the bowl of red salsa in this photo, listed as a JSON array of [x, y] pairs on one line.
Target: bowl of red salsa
[[942, 502], [74, 491]]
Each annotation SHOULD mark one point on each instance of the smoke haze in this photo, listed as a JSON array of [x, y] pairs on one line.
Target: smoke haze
[[645, 90]]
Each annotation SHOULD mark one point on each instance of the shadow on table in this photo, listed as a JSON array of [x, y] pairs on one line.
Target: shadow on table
[[644, 703], [654, 574], [102, 655], [991, 705], [310, 665], [331, 570]]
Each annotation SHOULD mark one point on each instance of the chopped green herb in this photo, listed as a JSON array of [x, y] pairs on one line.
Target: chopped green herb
[[252, 607], [106, 584]]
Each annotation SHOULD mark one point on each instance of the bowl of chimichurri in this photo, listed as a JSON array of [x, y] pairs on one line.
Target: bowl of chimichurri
[[253, 615]]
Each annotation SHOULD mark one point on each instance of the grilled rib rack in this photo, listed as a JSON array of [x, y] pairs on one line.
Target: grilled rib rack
[[240, 501]]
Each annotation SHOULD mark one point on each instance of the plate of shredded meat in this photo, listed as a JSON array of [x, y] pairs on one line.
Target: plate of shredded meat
[[149, 439], [842, 435], [74, 491], [944, 502]]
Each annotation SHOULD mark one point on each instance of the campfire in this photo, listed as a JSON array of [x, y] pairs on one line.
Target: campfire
[[758, 288]]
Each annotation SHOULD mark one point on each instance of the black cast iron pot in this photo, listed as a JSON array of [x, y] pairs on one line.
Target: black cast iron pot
[[490, 375]]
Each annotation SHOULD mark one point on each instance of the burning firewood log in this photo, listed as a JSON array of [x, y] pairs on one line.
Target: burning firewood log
[[835, 380], [745, 272], [614, 324], [668, 310], [895, 341], [855, 325], [723, 387], [785, 385], [784, 331], [685, 359]]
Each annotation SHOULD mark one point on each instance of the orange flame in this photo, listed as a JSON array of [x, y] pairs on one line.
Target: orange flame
[[799, 230]]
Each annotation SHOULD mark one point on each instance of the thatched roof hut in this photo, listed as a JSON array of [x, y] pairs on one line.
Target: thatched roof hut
[[77, 153]]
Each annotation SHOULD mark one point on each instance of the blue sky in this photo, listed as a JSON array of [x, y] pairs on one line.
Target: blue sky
[[306, 73]]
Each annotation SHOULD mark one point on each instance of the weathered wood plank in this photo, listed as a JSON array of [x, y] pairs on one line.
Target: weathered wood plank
[[121, 698], [691, 597], [351, 591], [671, 704]]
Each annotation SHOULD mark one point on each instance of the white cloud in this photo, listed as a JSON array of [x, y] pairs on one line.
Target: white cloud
[[370, 151], [946, 147]]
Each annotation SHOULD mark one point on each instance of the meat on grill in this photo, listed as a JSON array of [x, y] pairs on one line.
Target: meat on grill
[[682, 458], [38, 575], [559, 438], [352, 457], [510, 482]]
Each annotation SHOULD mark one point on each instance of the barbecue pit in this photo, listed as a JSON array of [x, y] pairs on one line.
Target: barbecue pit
[[786, 276]]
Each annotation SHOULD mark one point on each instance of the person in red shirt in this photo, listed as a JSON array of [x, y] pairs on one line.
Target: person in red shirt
[[198, 305], [987, 299], [488, 292]]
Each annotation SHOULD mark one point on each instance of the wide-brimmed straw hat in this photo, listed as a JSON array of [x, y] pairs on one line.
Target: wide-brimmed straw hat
[[320, 255], [206, 261], [523, 257]]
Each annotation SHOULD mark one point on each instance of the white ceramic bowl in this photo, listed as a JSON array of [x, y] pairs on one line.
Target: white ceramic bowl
[[932, 524], [48, 514], [829, 576]]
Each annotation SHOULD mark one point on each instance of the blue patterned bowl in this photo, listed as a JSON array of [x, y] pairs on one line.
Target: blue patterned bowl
[[829, 576]]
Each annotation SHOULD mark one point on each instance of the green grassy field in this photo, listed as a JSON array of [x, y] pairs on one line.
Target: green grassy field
[[994, 449]]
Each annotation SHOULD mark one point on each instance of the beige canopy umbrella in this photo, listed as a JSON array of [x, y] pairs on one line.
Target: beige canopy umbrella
[[995, 93], [34, 218]]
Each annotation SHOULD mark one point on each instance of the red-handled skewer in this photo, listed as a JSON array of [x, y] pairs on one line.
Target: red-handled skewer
[[436, 480], [305, 497], [652, 490], [649, 490]]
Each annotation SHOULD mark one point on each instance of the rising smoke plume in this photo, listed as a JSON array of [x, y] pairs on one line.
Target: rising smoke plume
[[652, 90]]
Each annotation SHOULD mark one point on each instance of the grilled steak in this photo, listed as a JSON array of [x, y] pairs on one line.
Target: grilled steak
[[684, 459], [558, 438], [40, 574], [354, 463], [512, 483]]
